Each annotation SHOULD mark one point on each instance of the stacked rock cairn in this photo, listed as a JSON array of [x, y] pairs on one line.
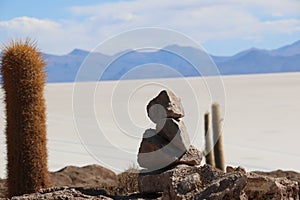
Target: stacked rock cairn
[[168, 144]]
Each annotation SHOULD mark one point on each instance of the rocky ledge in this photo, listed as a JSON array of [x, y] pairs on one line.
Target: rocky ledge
[[189, 182], [206, 182]]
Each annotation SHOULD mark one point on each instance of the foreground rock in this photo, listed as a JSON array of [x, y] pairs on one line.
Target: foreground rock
[[291, 175], [186, 182], [265, 187], [206, 182], [59, 193], [191, 182], [165, 105], [65, 193], [260, 186]]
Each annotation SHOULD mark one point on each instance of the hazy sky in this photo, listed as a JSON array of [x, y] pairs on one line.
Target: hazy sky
[[221, 27]]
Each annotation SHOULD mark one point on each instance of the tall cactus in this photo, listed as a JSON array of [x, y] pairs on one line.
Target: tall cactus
[[217, 137], [23, 83], [209, 152]]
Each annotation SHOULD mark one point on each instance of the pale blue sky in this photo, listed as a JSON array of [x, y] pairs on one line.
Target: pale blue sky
[[221, 27]]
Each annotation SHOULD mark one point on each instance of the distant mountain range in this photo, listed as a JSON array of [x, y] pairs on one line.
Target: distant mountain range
[[252, 61], [256, 61]]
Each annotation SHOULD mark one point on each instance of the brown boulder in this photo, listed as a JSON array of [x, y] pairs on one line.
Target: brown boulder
[[165, 105]]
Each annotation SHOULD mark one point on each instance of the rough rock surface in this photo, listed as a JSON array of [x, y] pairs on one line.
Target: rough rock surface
[[291, 175], [165, 105], [187, 182], [265, 187], [3, 188], [192, 182], [59, 193], [65, 193], [191, 157]]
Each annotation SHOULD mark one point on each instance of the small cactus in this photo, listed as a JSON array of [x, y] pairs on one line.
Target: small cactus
[[209, 153], [217, 137], [23, 83]]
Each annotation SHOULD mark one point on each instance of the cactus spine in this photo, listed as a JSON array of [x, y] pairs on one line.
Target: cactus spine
[[209, 153], [23, 83], [217, 137]]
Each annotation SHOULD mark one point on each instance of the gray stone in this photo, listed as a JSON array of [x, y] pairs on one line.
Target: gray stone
[[165, 105]]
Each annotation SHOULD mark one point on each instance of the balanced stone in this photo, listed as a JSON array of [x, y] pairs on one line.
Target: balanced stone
[[165, 105], [155, 152], [175, 132], [169, 142]]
